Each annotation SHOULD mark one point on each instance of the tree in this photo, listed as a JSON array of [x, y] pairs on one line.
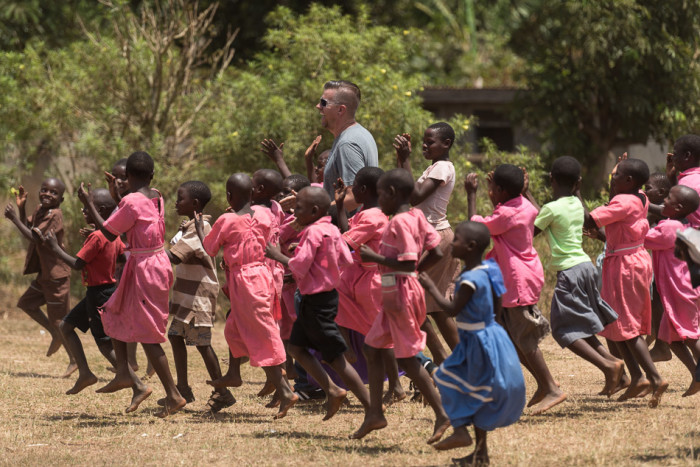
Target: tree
[[613, 72]]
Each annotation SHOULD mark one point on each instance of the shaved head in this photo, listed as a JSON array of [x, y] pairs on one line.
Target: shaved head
[[56, 183], [476, 232], [318, 197], [687, 197], [239, 184], [268, 182]]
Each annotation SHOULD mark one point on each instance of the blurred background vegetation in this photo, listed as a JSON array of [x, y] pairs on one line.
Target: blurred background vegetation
[[199, 84]]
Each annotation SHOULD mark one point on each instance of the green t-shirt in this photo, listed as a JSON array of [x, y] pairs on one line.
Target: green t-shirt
[[562, 219]]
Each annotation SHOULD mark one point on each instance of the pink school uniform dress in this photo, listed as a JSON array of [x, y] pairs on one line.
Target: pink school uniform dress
[[288, 235], [691, 178], [406, 237], [138, 310], [512, 227], [277, 268], [627, 269], [360, 288], [251, 329], [679, 298]]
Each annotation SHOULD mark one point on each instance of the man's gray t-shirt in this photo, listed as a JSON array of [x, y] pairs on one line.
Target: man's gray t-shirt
[[352, 150]]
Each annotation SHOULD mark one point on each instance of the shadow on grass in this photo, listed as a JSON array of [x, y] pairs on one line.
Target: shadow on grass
[[27, 374], [92, 421], [274, 433], [230, 417], [681, 453]]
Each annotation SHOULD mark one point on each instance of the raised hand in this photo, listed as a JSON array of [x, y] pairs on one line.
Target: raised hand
[[471, 182], [526, 181], [271, 150], [289, 202], [20, 196], [83, 194], [671, 170], [402, 144], [87, 230], [623, 157], [10, 212], [311, 150], [340, 191], [50, 238]]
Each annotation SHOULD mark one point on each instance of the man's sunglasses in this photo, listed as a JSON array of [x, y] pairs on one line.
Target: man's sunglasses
[[324, 102]]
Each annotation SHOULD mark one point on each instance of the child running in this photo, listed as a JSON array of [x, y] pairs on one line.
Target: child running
[[432, 195], [360, 288], [481, 383], [627, 274], [578, 313], [407, 236], [194, 295], [251, 328], [679, 323], [97, 261], [511, 226], [52, 283], [316, 265], [138, 310]]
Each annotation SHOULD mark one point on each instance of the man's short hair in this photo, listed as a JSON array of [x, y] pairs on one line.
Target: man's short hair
[[347, 93]]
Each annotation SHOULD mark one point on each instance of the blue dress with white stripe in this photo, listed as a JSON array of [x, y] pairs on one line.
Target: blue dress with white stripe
[[481, 383]]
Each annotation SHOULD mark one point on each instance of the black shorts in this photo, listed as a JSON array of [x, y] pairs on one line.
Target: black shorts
[[85, 316], [315, 326]]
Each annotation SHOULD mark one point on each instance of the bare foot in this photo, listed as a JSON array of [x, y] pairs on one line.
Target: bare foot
[[612, 378], [635, 389], [266, 390], [660, 353], [72, 368], [537, 397], [392, 397], [226, 381], [285, 405], [334, 403], [549, 401], [274, 402], [694, 388], [623, 384], [472, 460], [81, 383], [172, 406], [369, 424], [441, 426], [455, 440], [54, 346], [138, 397], [658, 392], [116, 384]]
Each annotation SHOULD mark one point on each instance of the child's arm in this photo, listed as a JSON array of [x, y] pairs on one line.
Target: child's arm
[[274, 152], [471, 185], [431, 259], [174, 259], [21, 200], [402, 144], [11, 214], [309, 159], [52, 242], [275, 252], [340, 192], [370, 256], [114, 185], [526, 189], [451, 307], [84, 198]]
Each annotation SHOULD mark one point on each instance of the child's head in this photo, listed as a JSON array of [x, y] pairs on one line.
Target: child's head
[[104, 203], [267, 183], [51, 193], [239, 190], [119, 172], [566, 172], [321, 161], [630, 176], [192, 196], [681, 201], [657, 187], [294, 182], [365, 187], [508, 183], [312, 203], [394, 189], [686, 152], [470, 241], [437, 141], [139, 167]]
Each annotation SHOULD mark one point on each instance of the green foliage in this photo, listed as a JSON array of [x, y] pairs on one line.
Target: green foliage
[[611, 72]]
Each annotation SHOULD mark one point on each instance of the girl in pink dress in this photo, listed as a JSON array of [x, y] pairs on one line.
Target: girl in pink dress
[[627, 275], [138, 309], [679, 322]]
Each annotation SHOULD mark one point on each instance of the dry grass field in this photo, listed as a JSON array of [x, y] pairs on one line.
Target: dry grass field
[[42, 425]]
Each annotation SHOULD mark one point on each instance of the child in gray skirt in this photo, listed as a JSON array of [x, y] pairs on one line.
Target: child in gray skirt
[[578, 313]]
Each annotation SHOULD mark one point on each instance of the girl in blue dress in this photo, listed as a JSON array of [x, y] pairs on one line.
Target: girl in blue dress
[[481, 383]]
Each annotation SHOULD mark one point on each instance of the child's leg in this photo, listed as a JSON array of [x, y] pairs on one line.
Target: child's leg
[[85, 376], [432, 340], [661, 351], [424, 382], [180, 357], [131, 355], [350, 353], [374, 416], [447, 328], [351, 379], [546, 384], [286, 396], [221, 397], [611, 369], [125, 377], [640, 353], [683, 353], [334, 393], [173, 400], [396, 392], [232, 378], [460, 438]]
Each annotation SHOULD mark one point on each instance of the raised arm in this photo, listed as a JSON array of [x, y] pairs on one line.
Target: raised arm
[[309, 158], [275, 153], [471, 185], [11, 214], [340, 193]]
